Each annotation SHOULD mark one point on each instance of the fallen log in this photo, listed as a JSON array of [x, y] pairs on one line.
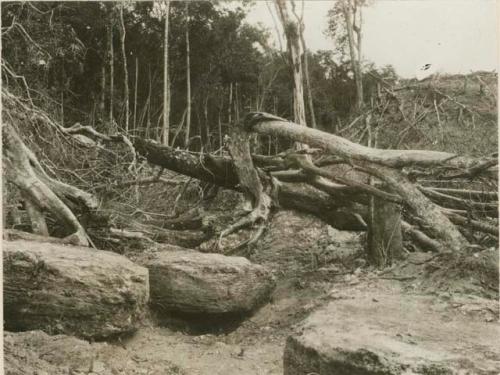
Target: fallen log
[[220, 170], [186, 281], [265, 123], [73, 290]]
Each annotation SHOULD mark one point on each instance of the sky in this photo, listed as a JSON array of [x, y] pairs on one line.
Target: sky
[[456, 36]]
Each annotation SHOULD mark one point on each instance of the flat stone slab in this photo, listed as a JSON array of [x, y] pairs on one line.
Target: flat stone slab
[[192, 282], [73, 290], [392, 334], [35, 352]]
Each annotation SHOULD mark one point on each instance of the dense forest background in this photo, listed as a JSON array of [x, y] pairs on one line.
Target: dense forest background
[[71, 59]]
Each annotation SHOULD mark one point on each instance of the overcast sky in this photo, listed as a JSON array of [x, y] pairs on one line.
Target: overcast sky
[[457, 36]]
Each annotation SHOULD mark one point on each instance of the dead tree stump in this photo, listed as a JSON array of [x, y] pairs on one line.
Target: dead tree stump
[[385, 239]]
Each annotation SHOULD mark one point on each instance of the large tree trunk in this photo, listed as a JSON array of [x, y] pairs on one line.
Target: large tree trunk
[[292, 31], [166, 83]]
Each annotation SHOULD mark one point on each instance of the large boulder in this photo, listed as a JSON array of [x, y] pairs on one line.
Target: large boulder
[[188, 281], [35, 352], [74, 290], [391, 334]]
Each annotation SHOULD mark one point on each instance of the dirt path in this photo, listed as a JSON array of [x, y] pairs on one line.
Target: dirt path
[[207, 354]]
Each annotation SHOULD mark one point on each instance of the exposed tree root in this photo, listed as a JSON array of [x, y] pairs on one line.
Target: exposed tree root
[[21, 172], [251, 185]]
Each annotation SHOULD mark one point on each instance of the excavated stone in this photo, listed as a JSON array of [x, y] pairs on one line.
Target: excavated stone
[[73, 290], [192, 282], [389, 334]]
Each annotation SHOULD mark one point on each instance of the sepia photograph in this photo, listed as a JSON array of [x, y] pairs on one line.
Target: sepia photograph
[[250, 187]]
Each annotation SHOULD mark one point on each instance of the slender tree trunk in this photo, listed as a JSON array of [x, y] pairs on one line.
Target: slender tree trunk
[[207, 125], [355, 60], [62, 107], [111, 128], [230, 105], [188, 81], [102, 104], [135, 91], [148, 103], [308, 85], [125, 70], [166, 83], [236, 103], [220, 127]]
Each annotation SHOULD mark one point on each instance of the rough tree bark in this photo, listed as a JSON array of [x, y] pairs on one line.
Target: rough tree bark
[[385, 240]]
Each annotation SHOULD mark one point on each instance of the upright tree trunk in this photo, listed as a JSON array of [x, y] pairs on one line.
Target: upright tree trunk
[[206, 133], [385, 239], [310, 103], [125, 70], [166, 83], [293, 42], [219, 122], [230, 105], [135, 91], [355, 58], [308, 85], [102, 104], [188, 81], [111, 128]]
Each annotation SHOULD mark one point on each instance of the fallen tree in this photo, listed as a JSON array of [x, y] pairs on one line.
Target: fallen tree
[[323, 186], [306, 180]]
